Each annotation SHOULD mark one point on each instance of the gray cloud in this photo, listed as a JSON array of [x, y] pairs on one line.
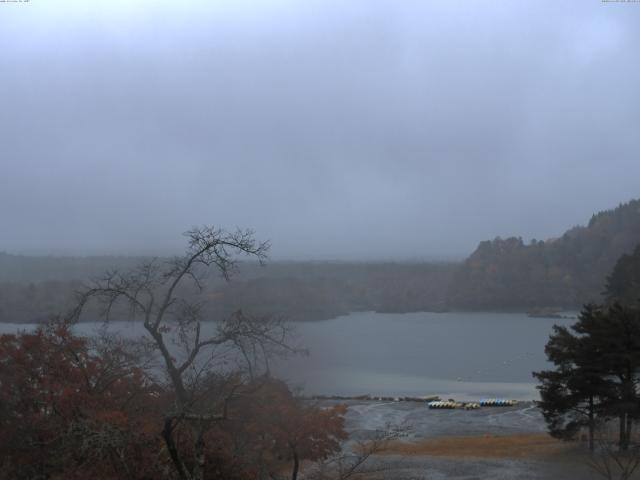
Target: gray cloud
[[352, 130]]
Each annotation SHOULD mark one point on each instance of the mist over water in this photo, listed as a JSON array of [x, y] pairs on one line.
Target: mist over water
[[461, 354], [467, 355]]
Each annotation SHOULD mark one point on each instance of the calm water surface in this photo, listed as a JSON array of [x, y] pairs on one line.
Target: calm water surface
[[461, 355]]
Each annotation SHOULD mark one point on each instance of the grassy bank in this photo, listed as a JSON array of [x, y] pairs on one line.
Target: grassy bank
[[528, 445]]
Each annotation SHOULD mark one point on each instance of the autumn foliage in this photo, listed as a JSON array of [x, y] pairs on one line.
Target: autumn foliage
[[283, 431], [68, 412], [74, 409]]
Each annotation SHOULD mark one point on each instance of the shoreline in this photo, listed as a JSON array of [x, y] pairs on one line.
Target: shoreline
[[417, 399], [492, 442]]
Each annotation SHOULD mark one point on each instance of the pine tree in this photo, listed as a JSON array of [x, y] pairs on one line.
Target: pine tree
[[623, 285], [597, 365]]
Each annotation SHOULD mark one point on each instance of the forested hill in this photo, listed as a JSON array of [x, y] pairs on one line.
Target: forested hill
[[564, 272], [33, 288], [26, 269], [501, 274]]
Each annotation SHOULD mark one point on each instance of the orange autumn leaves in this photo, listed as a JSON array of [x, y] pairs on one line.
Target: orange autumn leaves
[[66, 412], [70, 410]]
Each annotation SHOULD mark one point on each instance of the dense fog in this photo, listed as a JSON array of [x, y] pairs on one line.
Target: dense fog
[[338, 130]]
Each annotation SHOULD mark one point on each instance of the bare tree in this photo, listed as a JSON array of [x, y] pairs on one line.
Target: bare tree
[[609, 460], [156, 292], [357, 459]]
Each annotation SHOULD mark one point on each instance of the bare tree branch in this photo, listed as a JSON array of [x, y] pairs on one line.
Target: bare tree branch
[[176, 320]]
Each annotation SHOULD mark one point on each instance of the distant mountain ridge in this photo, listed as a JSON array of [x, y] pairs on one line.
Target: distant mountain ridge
[[34, 288], [564, 272], [501, 274], [28, 269]]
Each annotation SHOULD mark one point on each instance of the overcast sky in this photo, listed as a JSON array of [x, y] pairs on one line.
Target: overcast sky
[[337, 129]]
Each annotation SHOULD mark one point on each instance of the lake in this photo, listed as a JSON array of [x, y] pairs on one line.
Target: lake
[[462, 355]]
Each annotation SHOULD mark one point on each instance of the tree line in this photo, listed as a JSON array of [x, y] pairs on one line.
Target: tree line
[[565, 272], [299, 291]]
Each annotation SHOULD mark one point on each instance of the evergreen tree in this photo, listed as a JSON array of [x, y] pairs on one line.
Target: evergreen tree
[[623, 285], [611, 335], [597, 365], [572, 394]]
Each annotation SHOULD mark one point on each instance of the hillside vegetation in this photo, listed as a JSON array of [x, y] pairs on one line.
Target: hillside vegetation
[[296, 291], [564, 272], [502, 274], [623, 285]]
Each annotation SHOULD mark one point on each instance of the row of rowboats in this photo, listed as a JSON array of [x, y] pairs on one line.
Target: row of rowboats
[[485, 402]]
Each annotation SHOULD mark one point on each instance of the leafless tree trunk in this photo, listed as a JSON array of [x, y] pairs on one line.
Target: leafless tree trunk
[[296, 465], [151, 291], [357, 462], [611, 460]]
